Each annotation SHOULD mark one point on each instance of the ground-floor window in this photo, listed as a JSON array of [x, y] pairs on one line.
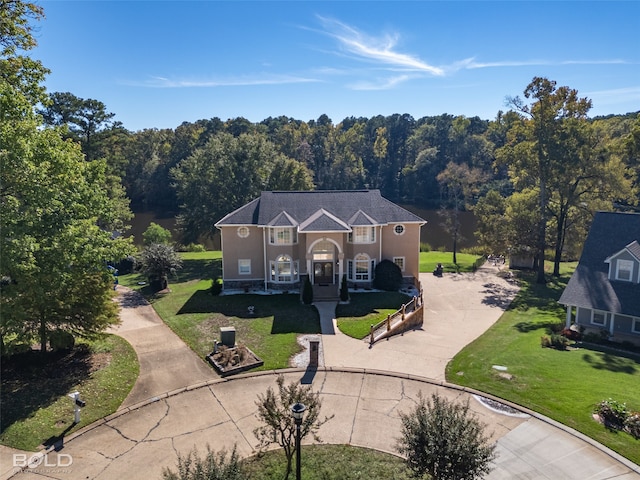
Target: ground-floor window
[[598, 317], [399, 261], [635, 325], [284, 269], [244, 266], [361, 268]]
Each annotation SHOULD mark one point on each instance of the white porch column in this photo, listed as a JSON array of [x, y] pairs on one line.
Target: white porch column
[[309, 258], [612, 324], [568, 322]]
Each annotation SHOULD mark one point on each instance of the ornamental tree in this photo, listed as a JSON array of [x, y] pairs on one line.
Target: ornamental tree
[[443, 439]]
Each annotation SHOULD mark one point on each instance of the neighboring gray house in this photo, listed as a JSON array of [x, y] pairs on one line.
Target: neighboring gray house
[[276, 240], [603, 294]]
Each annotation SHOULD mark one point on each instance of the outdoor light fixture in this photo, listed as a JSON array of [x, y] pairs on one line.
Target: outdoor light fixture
[[297, 410]]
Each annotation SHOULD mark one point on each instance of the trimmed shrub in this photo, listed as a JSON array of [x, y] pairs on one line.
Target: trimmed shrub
[[216, 287], [344, 289], [388, 276], [61, 340], [307, 292], [195, 247], [554, 341]]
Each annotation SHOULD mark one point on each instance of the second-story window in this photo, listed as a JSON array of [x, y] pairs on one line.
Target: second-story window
[[362, 235], [625, 270]]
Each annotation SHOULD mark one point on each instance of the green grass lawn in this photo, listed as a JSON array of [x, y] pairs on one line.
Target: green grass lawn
[[364, 309], [563, 385], [329, 462], [35, 406], [196, 316], [429, 261], [271, 332]]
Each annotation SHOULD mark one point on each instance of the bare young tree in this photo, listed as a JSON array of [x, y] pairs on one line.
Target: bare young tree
[[274, 410], [445, 440]]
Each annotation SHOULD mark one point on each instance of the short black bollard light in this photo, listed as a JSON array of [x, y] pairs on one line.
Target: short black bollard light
[[297, 410]]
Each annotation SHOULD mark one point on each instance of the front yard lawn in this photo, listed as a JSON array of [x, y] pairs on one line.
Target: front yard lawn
[[35, 406], [429, 261], [364, 309], [563, 385]]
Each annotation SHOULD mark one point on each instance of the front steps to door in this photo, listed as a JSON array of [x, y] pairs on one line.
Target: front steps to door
[[326, 293]]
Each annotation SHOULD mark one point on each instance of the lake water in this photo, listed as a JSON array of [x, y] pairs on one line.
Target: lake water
[[432, 233]]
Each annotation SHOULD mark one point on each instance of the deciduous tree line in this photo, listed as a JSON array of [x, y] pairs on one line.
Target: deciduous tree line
[[535, 174]]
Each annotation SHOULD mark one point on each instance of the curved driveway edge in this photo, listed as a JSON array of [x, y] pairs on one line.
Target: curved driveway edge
[[138, 441]]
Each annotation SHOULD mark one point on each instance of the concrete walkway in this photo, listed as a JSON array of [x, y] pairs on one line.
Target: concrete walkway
[[166, 362], [142, 438]]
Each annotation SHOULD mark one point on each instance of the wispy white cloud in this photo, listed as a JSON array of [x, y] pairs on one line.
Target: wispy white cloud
[[377, 49], [380, 84], [256, 80], [471, 63]]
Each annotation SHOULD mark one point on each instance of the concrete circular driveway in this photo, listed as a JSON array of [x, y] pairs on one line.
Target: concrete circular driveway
[[178, 403]]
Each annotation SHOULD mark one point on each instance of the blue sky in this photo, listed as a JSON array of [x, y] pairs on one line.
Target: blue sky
[[156, 64]]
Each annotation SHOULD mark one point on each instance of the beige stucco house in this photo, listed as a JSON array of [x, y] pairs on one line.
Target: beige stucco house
[[278, 239]]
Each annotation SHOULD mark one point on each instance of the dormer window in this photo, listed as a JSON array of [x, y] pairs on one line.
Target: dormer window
[[624, 270]]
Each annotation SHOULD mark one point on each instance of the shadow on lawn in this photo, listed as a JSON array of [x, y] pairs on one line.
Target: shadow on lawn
[[603, 358], [289, 315], [199, 270], [31, 382]]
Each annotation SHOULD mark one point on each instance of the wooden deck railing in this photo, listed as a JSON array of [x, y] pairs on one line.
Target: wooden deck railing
[[407, 316]]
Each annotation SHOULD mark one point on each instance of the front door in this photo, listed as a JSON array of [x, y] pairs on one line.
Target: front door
[[322, 273]]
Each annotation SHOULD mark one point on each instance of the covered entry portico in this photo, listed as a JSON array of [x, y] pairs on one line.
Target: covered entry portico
[[324, 261]]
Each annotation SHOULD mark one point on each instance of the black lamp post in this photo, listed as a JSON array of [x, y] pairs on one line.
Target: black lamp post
[[297, 410]]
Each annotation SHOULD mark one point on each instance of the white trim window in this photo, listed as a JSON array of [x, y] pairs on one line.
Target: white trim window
[[361, 268], [244, 266], [283, 236], [362, 235], [399, 261], [635, 325], [243, 232], [284, 269], [598, 317], [624, 270], [399, 229]]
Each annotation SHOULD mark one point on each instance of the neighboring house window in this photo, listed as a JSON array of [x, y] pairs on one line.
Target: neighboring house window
[[598, 317], [283, 236], [398, 230], [362, 235], [624, 270], [360, 269], [244, 266], [284, 269], [243, 232], [635, 325], [400, 262]]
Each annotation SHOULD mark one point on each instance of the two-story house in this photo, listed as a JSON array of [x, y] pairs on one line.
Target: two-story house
[[603, 294], [276, 240]]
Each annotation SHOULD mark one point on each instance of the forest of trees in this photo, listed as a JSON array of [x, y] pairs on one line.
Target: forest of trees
[[534, 175]]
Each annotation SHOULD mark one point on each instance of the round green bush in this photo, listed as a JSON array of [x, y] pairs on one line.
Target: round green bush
[[388, 276], [61, 340]]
